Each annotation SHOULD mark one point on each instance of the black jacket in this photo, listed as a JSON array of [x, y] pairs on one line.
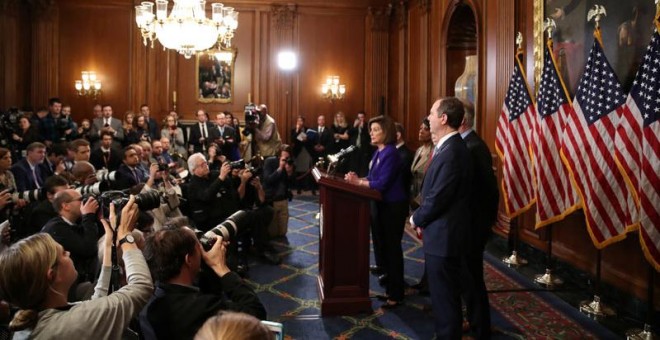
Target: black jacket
[[211, 200], [177, 312], [80, 240]]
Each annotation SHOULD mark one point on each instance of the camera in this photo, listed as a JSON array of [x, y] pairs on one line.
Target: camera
[[163, 167], [28, 195], [106, 176], [239, 164], [290, 161], [145, 201], [228, 229], [93, 189]]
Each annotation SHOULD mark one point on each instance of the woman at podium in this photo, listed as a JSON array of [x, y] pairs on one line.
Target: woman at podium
[[389, 214]]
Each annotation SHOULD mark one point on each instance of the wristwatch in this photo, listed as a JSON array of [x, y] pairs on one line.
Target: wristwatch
[[127, 239]]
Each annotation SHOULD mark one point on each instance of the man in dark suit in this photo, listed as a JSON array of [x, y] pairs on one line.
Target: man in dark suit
[[28, 172], [324, 138], [105, 156], [443, 215], [128, 172], [77, 237], [178, 308], [200, 133], [154, 127], [44, 210], [359, 136], [225, 137], [485, 197], [106, 121]]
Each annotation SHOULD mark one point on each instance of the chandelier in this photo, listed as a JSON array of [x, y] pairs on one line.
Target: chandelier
[[89, 86], [187, 29], [332, 90]]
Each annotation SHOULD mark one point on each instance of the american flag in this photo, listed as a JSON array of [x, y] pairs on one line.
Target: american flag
[[512, 142], [638, 148], [555, 196], [588, 150]]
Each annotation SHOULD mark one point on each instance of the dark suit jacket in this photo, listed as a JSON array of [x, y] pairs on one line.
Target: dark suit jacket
[[99, 162], [326, 139], [80, 240], [485, 194], [154, 128], [41, 214], [196, 134], [211, 200], [406, 163], [23, 175], [177, 312], [229, 147], [126, 178], [444, 210]]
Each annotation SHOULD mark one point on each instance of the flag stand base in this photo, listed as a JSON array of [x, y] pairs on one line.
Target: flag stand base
[[596, 309], [548, 280], [641, 334], [514, 260]]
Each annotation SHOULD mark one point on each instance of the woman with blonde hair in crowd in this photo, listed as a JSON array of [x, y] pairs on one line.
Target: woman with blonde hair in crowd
[[130, 133], [175, 134], [36, 274], [233, 325]]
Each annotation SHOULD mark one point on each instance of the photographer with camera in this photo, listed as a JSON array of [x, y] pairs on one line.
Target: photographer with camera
[[211, 196], [65, 128], [178, 308], [77, 231], [36, 274], [160, 181], [266, 136], [278, 177], [44, 210], [7, 183]]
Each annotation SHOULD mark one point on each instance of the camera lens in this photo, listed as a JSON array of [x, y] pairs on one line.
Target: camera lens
[[228, 229]]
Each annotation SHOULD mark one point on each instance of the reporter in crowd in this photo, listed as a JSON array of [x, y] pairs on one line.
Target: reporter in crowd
[[27, 135], [36, 273], [210, 195], [28, 173], [169, 208], [266, 136], [178, 309], [76, 230], [278, 177]]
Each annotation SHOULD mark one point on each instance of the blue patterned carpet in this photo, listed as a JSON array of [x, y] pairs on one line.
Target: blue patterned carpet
[[290, 295]]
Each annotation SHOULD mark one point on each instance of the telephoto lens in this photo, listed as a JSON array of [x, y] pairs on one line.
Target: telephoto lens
[[228, 229]]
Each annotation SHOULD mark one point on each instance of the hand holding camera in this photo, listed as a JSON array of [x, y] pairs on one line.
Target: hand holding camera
[[89, 206], [245, 175], [225, 170], [129, 215], [215, 257]]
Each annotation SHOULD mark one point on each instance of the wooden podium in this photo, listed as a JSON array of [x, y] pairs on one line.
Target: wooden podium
[[344, 223]]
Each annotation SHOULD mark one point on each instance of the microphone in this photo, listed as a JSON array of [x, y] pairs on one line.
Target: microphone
[[343, 152]]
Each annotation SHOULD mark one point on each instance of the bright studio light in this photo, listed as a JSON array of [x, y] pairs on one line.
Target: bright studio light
[[287, 60]]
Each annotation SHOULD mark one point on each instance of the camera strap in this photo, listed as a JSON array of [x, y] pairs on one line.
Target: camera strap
[[114, 277]]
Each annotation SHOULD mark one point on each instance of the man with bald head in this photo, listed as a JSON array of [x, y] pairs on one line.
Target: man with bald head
[[76, 230]]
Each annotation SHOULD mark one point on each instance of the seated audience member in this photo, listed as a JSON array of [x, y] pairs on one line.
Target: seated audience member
[[145, 159], [231, 325], [210, 195], [105, 156], [142, 166], [278, 176], [76, 230], [27, 172], [128, 172], [178, 308], [37, 273], [44, 210], [54, 162], [79, 150]]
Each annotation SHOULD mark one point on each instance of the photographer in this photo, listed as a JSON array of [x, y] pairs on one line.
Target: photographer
[[160, 181], [44, 211], [265, 133], [178, 308], [278, 176], [211, 195], [65, 128], [37, 273], [253, 200], [76, 230]]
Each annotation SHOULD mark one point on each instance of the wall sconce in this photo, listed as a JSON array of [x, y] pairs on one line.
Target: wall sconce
[[89, 86], [332, 90]]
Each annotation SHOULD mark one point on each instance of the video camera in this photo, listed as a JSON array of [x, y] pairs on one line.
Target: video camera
[[145, 201], [252, 119], [252, 165]]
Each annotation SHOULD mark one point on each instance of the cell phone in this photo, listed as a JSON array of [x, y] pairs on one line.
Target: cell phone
[[276, 328]]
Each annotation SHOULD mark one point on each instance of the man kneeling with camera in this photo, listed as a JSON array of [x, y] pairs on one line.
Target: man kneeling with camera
[[178, 308]]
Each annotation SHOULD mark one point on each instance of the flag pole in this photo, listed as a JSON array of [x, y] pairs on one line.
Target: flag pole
[[548, 279], [647, 332], [595, 308], [514, 260]]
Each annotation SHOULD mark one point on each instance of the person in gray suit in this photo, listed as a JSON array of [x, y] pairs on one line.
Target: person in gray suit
[[106, 121]]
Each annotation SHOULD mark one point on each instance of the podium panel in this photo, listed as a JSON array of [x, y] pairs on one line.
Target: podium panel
[[343, 280]]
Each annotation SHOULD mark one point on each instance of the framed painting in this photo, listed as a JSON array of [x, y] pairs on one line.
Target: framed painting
[[215, 76], [626, 31]]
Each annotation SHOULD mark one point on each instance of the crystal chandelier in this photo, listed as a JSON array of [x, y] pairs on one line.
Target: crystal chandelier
[[187, 29], [89, 86], [332, 90]]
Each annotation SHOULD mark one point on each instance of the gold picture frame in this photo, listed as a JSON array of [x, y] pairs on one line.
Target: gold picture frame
[[214, 75]]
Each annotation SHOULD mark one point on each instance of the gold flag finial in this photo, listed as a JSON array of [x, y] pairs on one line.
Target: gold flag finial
[[549, 26], [519, 40], [596, 13]]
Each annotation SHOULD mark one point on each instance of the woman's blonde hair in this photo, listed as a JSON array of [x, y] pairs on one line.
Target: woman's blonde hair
[[343, 122], [23, 276], [233, 325]]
